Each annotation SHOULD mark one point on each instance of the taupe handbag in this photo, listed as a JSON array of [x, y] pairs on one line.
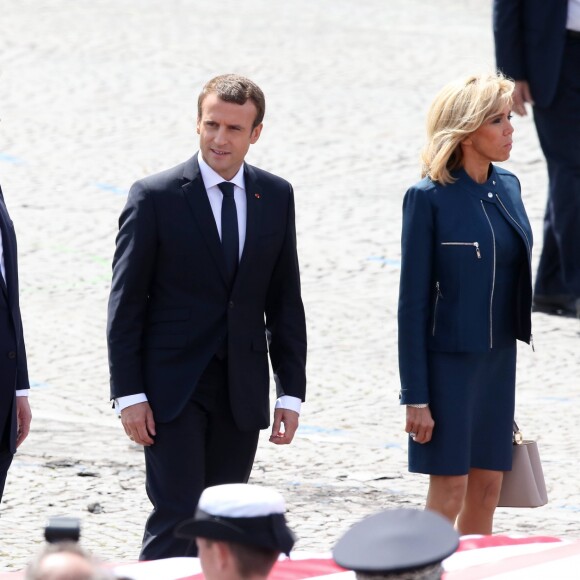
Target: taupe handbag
[[524, 485]]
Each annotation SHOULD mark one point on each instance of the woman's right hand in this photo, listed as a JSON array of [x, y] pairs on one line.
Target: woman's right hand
[[419, 422]]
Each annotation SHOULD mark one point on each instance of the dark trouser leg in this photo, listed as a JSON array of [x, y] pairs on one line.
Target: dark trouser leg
[[5, 461], [5, 454], [201, 447], [559, 132]]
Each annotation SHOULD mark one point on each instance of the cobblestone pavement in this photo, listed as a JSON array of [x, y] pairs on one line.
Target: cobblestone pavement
[[94, 95]]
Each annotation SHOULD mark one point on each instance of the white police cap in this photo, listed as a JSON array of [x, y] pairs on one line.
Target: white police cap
[[242, 513]]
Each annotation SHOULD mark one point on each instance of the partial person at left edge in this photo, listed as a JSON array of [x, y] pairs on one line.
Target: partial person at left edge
[[15, 415]]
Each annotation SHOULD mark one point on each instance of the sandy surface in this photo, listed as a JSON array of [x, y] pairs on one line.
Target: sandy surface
[[94, 95]]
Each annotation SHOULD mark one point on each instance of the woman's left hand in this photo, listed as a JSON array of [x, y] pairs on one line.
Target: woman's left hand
[[419, 424]]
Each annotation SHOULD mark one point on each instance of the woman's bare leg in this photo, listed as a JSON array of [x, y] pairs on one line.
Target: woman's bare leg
[[483, 489], [446, 495]]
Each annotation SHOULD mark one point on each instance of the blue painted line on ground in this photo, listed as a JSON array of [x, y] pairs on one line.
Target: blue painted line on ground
[[571, 508], [559, 399], [351, 483], [309, 429], [6, 157], [110, 188], [383, 260], [313, 429], [39, 385]]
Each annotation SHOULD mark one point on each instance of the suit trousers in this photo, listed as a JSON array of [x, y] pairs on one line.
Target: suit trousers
[[5, 454], [558, 128], [5, 461], [200, 448]]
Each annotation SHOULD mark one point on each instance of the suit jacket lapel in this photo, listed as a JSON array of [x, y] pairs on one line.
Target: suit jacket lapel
[[196, 195], [3, 287], [7, 249]]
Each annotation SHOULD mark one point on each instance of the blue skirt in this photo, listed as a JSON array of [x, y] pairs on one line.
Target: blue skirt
[[472, 402]]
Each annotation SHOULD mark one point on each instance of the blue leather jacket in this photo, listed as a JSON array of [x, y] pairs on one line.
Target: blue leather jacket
[[446, 295]]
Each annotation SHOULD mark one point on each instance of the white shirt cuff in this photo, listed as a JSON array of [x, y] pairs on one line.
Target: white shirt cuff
[[124, 402], [22, 392], [289, 402], [284, 402]]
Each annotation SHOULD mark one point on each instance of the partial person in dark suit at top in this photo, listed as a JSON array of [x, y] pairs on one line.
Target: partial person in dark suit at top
[[15, 415], [537, 43], [206, 283]]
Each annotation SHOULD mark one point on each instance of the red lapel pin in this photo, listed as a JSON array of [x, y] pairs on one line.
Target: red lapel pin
[[257, 195]]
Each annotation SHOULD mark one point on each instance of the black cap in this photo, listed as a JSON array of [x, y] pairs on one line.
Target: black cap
[[246, 514], [395, 541]]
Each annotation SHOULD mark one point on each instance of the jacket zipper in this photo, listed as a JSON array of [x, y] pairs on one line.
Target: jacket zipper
[[529, 251], [438, 295], [492, 279], [474, 244]]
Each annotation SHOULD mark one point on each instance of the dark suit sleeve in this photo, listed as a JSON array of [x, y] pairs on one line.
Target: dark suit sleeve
[[133, 266], [415, 295], [285, 319], [22, 380], [508, 33]]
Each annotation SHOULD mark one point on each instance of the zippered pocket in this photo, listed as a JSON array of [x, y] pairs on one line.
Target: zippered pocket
[[474, 244], [437, 296]]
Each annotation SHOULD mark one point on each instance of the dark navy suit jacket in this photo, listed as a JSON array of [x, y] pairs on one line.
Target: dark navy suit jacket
[[13, 367], [529, 43], [170, 306], [447, 271]]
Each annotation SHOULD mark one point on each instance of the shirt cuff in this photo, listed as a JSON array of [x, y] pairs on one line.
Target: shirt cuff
[[289, 402], [22, 392], [124, 402]]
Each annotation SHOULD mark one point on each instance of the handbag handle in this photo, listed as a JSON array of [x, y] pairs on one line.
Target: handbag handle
[[518, 438]]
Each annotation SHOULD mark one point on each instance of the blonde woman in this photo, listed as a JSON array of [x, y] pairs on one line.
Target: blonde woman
[[465, 298]]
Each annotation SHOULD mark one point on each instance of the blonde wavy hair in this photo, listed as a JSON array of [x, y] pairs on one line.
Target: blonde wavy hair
[[459, 109]]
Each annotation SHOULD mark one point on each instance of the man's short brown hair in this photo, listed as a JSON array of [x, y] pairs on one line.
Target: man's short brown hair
[[235, 89], [250, 560]]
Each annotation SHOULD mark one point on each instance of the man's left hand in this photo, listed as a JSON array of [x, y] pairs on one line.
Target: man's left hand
[[289, 420], [23, 419]]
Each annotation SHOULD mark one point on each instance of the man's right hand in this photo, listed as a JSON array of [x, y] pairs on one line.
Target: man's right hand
[[138, 423], [522, 95]]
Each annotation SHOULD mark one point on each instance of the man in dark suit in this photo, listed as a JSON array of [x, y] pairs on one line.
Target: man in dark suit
[[15, 413], [205, 283], [537, 43]]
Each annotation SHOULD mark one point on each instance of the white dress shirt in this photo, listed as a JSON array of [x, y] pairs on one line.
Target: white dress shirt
[[211, 180], [2, 267], [573, 21]]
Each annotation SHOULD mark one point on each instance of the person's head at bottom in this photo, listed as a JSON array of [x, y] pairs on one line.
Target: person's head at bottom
[[401, 544], [240, 530], [65, 561]]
